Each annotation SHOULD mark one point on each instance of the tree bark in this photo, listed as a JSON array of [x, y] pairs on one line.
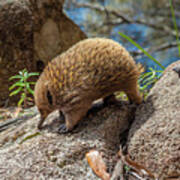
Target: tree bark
[[32, 32]]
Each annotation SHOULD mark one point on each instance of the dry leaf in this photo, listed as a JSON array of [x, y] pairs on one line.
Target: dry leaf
[[97, 164]]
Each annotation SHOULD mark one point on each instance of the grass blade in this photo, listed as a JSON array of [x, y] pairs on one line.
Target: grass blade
[[175, 25], [143, 50], [16, 91]]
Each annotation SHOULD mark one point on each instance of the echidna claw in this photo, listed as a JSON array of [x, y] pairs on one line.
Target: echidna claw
[[62, 129]]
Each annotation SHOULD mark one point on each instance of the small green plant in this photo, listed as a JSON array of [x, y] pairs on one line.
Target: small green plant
[[148, 79], [127, 168], [22, 86]]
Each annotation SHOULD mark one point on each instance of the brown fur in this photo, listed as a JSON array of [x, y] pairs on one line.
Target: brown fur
[[91, 69]]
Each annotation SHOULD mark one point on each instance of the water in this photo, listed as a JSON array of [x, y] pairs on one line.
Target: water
[[140, 33]]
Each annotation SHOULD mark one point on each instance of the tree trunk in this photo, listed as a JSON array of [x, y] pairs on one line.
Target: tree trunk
[[32, 32]]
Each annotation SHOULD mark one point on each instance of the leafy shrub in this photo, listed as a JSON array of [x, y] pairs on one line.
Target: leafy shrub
[[23, 86]]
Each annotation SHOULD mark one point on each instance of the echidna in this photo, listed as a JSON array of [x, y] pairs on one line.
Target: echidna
[[91, 69]]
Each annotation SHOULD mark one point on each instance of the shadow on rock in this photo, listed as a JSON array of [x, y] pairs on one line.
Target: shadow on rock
[[103, 121], [142, 114]]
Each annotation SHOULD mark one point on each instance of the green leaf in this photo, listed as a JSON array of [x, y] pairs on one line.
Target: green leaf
[[16, 91], [26, 74], [23, 96], [15, 77], [143, 76], [149, 83], [33, 74], [21, 72], [20, 102], [143, 50], [30, 99], [127, 168], [148, 78], [16, 84], [144, 87], [27, 85], [22, 79], [30, 91], [29, 88], [32, 83]]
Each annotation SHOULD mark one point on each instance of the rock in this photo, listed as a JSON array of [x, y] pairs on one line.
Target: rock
[[154, 138], [26, 153], [32, 32]]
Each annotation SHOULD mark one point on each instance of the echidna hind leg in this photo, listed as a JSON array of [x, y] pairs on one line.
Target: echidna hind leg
[[134, 95]]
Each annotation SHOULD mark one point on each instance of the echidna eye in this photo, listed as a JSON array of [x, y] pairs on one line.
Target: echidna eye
[[49, 97]]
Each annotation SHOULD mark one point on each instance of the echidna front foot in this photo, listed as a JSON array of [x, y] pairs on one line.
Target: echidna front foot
[[74, 115], [61, 116], [63, 129]]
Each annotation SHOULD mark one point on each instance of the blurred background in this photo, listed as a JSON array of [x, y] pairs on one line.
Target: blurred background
[[149, 23]]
